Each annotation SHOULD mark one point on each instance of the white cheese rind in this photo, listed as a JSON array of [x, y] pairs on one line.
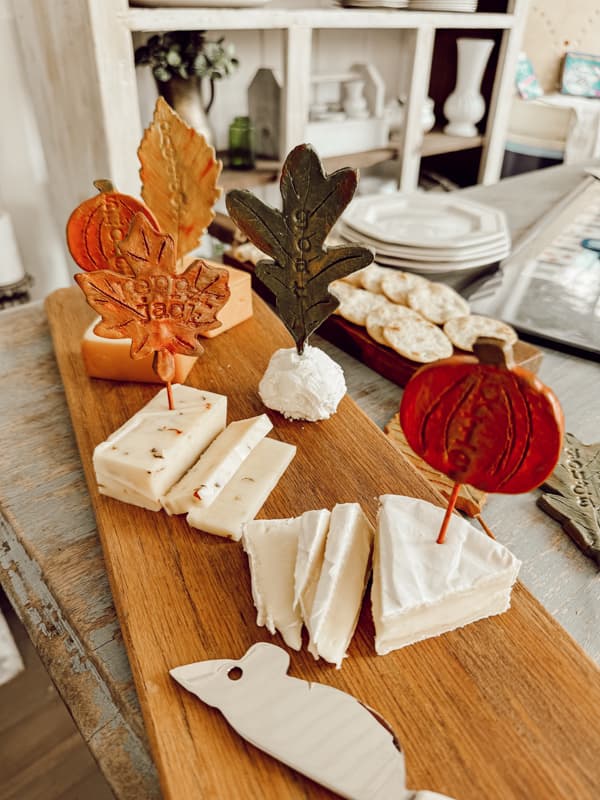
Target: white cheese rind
[[217, 465], [309, 561], [342, 582], [152, 450], [423, 589], [272, 546], [244, 495]]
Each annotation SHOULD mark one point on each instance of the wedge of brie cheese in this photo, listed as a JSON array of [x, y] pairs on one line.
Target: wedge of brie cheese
[[422, 589], [271, 546], [342, 582], [309, 562], [242, 498], [217, 465], [141, 460]]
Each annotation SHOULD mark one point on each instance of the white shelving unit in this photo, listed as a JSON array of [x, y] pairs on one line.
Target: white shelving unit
[[91, 121]]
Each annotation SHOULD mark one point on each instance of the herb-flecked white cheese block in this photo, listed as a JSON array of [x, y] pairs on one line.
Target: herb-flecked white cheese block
[[242, 498], [217, 465], [271, 545], [144, 458]]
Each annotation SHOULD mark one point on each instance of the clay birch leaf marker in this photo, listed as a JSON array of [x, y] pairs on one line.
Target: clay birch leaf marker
[[162, 311], [573, 494], [179, 175], [482, 421], [99, 224], [299, 272]]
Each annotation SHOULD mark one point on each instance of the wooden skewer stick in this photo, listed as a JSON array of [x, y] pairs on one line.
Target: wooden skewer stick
[[170, 396], [449, 510], [485, 527]]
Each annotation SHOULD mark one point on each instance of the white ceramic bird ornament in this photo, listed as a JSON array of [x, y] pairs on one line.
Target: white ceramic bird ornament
[[320, 731]]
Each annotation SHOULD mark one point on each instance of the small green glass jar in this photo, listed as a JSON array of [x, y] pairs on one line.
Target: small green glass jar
[[241, 143]]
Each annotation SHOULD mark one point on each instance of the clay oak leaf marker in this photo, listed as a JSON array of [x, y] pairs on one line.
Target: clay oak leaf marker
[[301, 268], [160, 310], [482, 421]]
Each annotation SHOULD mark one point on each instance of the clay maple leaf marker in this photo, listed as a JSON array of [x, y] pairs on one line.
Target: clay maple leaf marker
[[179, 173], [160, 310], [298, 273], [482, 421], [574, 494], [99, 224]]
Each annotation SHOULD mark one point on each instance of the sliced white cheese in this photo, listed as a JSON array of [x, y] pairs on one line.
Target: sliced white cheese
[[309, 561], [342, 582], [151, 451], [217, 465], [271, 546], [421, 588], [242, 498]]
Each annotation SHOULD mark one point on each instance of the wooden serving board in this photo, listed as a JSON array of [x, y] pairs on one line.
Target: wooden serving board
[[354, 340], [504, 709]]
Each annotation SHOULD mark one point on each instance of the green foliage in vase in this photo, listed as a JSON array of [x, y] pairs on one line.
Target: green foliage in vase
[[187, 54]]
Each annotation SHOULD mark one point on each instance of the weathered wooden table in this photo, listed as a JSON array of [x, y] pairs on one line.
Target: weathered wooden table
[[51, 563]]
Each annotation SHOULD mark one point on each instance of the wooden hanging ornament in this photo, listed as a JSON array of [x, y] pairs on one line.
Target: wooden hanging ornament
[[160, 310], [301, 267], [317, 730], [99, 224], [483, 421]]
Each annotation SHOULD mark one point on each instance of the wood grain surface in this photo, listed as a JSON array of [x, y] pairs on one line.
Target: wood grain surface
[[502, 709]]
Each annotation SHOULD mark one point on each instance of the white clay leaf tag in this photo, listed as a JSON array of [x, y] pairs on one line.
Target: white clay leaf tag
[[320, 731]]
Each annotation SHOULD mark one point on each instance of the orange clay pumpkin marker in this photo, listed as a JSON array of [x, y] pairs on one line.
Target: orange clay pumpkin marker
[[483, 421], [100, 224], [159, 309]]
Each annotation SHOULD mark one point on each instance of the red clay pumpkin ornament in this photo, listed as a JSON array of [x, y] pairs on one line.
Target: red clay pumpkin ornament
[[482, 421], [99, 224]]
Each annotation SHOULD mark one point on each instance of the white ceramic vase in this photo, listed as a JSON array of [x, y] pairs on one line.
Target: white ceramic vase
[[465, 106], [354, 103]]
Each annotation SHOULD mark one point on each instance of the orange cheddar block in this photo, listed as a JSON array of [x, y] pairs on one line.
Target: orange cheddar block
[[110, 359], [239, 306]]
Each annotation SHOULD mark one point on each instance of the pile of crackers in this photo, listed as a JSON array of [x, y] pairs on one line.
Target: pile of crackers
[[419, 319]]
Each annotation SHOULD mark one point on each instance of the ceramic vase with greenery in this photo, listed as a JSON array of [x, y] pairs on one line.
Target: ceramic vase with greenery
[[184, 63]]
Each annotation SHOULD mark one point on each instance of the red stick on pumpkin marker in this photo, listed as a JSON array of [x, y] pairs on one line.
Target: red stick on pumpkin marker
[[482, 421]]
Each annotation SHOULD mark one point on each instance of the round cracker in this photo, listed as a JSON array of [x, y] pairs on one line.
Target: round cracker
[[372, 276], [341, 289], [463, 331], [388, 315], [356, 306], [419, 341], [437, 302], [355, 278], [397, 284]]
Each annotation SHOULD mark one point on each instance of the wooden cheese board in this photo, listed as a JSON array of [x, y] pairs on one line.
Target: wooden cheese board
[[354, 340], [503, 709]]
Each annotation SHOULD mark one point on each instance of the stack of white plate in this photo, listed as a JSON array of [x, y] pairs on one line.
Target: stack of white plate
[[427, 232], [443, 5], [374, 3]]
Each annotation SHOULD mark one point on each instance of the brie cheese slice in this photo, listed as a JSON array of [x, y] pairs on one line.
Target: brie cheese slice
[[217, 465], [271, 546], [242, 498], [421, 588], [150, 452], [342, 582], [309, 562]]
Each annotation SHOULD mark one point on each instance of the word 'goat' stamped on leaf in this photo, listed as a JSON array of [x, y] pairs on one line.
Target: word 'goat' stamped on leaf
[[160, 310], [302, 267]]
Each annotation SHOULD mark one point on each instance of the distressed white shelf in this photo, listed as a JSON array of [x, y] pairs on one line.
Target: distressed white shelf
[[91, 119]]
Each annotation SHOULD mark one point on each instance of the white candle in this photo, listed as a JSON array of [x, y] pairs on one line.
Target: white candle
[[11, 267]]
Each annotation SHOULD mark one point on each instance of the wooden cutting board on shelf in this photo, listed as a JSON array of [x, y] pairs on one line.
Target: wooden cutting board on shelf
[[503, 709], [354, 340]]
